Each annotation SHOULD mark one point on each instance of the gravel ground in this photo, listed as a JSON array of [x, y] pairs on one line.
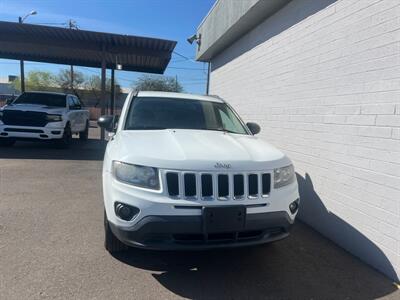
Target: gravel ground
[[51, 246]]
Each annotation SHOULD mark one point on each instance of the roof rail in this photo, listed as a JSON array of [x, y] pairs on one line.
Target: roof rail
[[216, 96]]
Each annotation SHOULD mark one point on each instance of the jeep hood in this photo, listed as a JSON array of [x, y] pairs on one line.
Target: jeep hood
[[195, 150]]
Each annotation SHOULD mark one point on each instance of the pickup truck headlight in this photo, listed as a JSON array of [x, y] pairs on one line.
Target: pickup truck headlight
[[283, 176], [54, 118], [146, 177]]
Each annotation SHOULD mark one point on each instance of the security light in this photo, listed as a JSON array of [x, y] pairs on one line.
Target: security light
[[193, 38]]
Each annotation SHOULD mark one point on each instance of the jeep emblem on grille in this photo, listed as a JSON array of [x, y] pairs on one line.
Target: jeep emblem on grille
[[222, 166]]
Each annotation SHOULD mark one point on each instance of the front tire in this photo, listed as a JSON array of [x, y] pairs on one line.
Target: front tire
[[111, 243], [7, 142], [83, 136], [66, 139]]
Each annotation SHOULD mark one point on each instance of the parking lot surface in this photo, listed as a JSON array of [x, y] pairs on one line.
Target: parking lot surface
[[51, 246]]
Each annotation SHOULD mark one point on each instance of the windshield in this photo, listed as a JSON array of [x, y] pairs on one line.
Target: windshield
[[46, 99], [162, 113]]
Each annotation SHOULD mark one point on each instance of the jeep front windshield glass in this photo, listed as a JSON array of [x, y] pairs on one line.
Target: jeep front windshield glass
[[45, 99], [151, 113]]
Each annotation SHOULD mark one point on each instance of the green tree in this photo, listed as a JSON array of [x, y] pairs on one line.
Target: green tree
[[37, 81], [157, 83]]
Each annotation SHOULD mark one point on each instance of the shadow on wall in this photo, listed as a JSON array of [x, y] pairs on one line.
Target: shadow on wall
[[291, 14], [315, 214]]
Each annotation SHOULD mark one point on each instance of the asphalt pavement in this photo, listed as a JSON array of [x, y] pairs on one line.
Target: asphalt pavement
[[51, 245]]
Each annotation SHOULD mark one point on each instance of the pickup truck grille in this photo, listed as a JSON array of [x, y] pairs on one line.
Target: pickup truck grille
[[220, 186], [24, 118]]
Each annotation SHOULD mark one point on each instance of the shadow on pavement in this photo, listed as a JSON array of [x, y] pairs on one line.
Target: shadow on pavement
[[92, 149], [304, 266]]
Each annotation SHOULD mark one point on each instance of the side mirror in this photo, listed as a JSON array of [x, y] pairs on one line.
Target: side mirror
[[254, 127], [107, 122]]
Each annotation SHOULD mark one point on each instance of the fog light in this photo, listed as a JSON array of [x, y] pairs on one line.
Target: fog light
[[125, 212], [294, 206]]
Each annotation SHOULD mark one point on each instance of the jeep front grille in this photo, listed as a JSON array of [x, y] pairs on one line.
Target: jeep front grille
[[210, 186]]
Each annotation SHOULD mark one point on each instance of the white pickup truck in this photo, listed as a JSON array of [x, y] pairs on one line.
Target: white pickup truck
[[184, 171], [43, 116]]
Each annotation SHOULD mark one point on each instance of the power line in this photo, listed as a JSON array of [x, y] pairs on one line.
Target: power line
[[195, 83], [183, 68], [63, 24], [183, 56]]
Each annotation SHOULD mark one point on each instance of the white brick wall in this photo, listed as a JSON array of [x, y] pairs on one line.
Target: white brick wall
[[326, 90]]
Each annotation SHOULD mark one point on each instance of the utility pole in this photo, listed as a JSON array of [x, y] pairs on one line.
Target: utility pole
[[208, 78], [176, 83]]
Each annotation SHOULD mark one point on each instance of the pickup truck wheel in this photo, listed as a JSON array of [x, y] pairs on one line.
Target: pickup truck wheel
[[111, 243], [7, 142], [84, 134], [66, 139]]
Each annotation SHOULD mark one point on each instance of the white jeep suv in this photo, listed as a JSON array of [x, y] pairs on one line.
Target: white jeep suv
[[43, 116], [183, 171]]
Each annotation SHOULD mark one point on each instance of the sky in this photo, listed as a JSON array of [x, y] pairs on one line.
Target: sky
[[167, 19]]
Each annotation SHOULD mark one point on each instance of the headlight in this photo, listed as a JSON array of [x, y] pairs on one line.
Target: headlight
[[146, 177], [283, 176], [53, 118]]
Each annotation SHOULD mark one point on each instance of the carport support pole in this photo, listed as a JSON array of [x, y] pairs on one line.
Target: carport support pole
[[71, 74], [21, 66], [103, 91], [112, 92]]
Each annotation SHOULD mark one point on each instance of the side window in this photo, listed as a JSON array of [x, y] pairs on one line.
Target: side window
[[77, 102], [227, 122], [71, 102]]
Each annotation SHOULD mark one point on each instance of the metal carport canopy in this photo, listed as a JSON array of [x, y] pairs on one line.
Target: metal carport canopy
[[84, 48]]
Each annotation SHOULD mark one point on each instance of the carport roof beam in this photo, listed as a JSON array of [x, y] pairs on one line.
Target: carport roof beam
[[84, 48]]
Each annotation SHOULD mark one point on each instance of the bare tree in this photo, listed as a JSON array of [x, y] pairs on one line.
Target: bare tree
[[157, 83]]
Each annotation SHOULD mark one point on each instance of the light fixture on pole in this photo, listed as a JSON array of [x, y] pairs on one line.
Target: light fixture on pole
[[21, 62], [22, 19], [118, 66]]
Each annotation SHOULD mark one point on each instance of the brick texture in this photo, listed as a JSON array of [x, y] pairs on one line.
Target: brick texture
[[322, 78]]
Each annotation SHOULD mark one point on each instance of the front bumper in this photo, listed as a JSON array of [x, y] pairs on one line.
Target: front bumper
[[55, 131], [187, 232]]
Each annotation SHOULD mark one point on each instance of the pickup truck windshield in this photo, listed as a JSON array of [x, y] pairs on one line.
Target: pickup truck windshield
[[151, 113], [45, 99]]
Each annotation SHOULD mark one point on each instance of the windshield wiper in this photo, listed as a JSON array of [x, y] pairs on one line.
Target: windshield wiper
[[147, 128], [222, 129]]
